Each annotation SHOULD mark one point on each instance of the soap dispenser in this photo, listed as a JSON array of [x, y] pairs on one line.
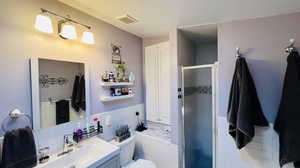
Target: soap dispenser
[[78, 133]]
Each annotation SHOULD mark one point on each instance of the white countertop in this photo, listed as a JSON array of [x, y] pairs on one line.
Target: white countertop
[[90, 152]]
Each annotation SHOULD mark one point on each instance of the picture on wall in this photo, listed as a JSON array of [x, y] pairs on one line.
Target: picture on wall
[[116, 54]]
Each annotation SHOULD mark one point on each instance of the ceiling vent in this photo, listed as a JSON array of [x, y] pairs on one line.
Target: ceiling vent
[[127, 19]]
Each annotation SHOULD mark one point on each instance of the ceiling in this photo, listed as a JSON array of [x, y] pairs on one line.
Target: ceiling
[[158, 17], [201, 34]]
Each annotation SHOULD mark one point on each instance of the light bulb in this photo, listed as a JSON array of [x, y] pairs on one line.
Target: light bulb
[[88, 37], [43, 24], [68, 31]]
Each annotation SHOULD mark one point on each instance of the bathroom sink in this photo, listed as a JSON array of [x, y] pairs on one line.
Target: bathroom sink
[[88, 154], [70, 160]]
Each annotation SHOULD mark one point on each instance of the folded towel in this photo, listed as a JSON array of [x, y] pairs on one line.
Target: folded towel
[[62, 112], [19, 150], [244, 109]]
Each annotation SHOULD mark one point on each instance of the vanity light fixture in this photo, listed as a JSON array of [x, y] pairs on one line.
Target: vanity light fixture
[[88, 37], [66, 28], [44, 24], [67, 31]]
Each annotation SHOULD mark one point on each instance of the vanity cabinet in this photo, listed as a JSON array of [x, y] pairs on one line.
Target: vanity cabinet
[[158, 82], [111, 163]]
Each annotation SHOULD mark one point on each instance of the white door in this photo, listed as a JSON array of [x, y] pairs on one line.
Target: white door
[[151, 54], [157, 82], [164, 83]]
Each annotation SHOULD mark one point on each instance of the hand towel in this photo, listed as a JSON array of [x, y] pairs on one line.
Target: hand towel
[[288, 118], [75, 94], [62, 112], [82, 93], [19, 149], [244, 109]]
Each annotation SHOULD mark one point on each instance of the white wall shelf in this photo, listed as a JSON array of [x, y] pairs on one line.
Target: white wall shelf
[[111, 84], [114, 98]]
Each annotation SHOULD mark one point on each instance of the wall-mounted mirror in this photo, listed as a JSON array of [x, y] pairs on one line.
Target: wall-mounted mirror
[[59, 92]]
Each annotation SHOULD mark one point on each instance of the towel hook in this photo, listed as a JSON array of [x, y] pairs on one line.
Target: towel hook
[[238, 52], [291, 47]]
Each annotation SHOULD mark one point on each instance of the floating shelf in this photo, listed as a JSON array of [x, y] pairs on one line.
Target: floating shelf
[[109, 84], [113, 98]]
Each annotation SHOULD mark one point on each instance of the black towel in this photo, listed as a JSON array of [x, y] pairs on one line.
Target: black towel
[[19, 150], [82, 93], [75, 94], [62, 112], [244, 109], [78, 95], [288, 118]]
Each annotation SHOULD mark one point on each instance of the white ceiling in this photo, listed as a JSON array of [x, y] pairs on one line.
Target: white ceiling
[[158, 17]]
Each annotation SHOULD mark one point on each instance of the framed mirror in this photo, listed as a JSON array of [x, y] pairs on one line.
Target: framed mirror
[[59, 92]]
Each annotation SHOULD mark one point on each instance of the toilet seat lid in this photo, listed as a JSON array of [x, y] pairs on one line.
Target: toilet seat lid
[[141, 163]]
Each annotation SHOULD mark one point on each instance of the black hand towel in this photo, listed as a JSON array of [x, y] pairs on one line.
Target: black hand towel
[[288, 117], [19, 150], [62, 112], [75, 94], [244, 109], [82, 93]]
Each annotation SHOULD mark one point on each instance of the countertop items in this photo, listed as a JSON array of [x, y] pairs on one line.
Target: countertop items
[[122, 133]]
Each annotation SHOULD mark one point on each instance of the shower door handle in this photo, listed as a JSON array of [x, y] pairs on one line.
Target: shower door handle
[[179, 93]]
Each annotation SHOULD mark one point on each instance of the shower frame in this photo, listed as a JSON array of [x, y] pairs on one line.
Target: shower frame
[[214, 75]]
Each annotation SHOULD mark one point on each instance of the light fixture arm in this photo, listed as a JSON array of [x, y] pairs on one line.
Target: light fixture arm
[[65, 18]]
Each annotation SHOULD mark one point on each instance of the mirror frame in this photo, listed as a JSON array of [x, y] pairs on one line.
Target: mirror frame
[[35, 89]]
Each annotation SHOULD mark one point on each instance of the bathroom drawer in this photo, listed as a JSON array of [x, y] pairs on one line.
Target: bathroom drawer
[[112, 163]]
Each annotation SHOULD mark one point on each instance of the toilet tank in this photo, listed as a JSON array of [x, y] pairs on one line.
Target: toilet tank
[[127, 150]]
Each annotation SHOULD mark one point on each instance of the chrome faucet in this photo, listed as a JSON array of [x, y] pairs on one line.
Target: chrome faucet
[[66, 143], [66, 146]]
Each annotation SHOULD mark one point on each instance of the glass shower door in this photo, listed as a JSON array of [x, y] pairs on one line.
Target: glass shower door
[[198, 116]]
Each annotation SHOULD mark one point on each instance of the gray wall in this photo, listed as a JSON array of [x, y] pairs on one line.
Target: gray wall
[[262, 43], [19, 41], [174, 86], [206, 53], [186, 50]]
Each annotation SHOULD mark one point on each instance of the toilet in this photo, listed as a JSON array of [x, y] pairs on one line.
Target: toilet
[[126, 154]]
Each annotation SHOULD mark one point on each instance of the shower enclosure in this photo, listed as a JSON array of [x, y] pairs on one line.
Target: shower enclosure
[[198, 116]]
